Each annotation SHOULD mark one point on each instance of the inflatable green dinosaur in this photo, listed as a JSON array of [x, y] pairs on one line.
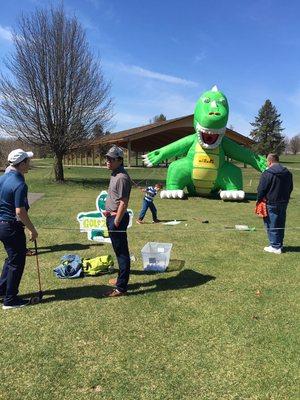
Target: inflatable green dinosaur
[[203, 170]]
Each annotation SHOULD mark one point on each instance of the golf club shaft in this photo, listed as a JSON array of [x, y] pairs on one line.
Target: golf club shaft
[[38, 266]]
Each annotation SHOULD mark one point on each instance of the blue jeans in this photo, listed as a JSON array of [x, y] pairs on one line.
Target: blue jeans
[[275, 223], [145, 206], [12, 235], [118, 237]]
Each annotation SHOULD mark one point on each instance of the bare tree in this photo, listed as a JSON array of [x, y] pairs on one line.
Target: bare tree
[[286, 145], [57, 93], [294, 144]]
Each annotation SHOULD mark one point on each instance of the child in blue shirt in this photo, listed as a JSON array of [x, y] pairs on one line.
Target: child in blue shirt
[[150, 193]]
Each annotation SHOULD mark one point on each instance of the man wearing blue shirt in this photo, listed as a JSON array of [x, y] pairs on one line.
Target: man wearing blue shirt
[[13, 219]]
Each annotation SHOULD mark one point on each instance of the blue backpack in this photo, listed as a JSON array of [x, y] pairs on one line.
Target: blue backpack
[[70, 267]]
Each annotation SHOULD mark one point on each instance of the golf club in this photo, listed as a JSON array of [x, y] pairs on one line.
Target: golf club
[[37, 299]]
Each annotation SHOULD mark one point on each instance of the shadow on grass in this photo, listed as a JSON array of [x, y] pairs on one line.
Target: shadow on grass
[[65, 247], [291, 249], [183, 280], [72, 293], [251, 196]]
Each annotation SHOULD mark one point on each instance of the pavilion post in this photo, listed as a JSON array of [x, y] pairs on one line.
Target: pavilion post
[[129, 154]]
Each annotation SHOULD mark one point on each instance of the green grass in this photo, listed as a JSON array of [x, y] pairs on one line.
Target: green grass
[[200, 332]]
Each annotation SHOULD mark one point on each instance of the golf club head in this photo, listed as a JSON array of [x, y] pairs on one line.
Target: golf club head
[[36, 299]]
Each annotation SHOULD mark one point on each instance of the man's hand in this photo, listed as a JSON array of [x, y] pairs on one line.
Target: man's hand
[[33, 235], [23, 216], [121, 211]]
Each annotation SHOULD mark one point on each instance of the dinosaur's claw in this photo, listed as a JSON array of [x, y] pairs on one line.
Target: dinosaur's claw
[[232, 194], [146, 161], [172, 194]]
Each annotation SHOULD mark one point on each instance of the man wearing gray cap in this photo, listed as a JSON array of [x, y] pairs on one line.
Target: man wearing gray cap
[[13, 219], [117, 217]]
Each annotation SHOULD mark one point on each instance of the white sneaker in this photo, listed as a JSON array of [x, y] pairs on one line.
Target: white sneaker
[[271, 249]]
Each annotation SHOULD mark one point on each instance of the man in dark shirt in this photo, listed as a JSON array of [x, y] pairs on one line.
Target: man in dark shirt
[[13, 219], [276, 185], [117, 217]]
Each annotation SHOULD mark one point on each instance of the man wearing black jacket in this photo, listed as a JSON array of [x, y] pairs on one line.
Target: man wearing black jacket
[[276, 185]]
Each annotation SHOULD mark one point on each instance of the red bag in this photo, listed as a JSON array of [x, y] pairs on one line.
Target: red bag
[[261, 208]]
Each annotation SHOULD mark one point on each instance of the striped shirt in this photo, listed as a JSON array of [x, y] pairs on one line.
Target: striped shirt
[[151, 192]]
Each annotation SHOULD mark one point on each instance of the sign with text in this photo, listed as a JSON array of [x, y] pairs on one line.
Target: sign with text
[[94, 222]]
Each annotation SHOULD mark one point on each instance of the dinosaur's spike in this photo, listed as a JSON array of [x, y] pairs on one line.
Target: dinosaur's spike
[[215, 88]]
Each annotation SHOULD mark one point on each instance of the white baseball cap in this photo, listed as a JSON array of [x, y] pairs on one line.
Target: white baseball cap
[[18, 155]]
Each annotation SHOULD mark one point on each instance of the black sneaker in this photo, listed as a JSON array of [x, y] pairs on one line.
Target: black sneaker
[[2, 295], [17, 303]]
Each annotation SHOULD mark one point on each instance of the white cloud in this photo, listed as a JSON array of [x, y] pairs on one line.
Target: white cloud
[[5, 33], [141, 94], [146, 73]]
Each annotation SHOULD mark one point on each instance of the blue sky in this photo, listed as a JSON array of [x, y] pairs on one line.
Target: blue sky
[[161, 55]]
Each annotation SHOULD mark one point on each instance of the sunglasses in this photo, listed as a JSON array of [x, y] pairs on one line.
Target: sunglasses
[[110, 159]]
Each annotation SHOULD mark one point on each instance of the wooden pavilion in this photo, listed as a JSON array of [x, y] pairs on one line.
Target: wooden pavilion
[[140, 140]]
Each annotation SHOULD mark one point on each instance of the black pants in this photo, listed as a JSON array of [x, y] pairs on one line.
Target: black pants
[[12, 235], [118, 237]]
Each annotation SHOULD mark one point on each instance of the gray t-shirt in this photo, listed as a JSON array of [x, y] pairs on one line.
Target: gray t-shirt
[[119, 187]]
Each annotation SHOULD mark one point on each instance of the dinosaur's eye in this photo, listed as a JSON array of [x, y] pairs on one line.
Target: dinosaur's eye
[[206, 100], [222, 101]]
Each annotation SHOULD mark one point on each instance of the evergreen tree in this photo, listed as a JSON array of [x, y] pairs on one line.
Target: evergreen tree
[[158, 118], [267, 130], [98, 131]]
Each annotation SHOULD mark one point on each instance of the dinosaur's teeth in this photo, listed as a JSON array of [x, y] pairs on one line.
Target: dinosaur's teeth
[[198, 127], [209, 132]]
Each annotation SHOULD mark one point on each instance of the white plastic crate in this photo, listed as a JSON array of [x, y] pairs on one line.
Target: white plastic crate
[[156, 256]]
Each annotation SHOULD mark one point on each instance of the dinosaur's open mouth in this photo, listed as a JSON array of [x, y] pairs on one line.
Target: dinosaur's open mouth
[[209, 138]]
